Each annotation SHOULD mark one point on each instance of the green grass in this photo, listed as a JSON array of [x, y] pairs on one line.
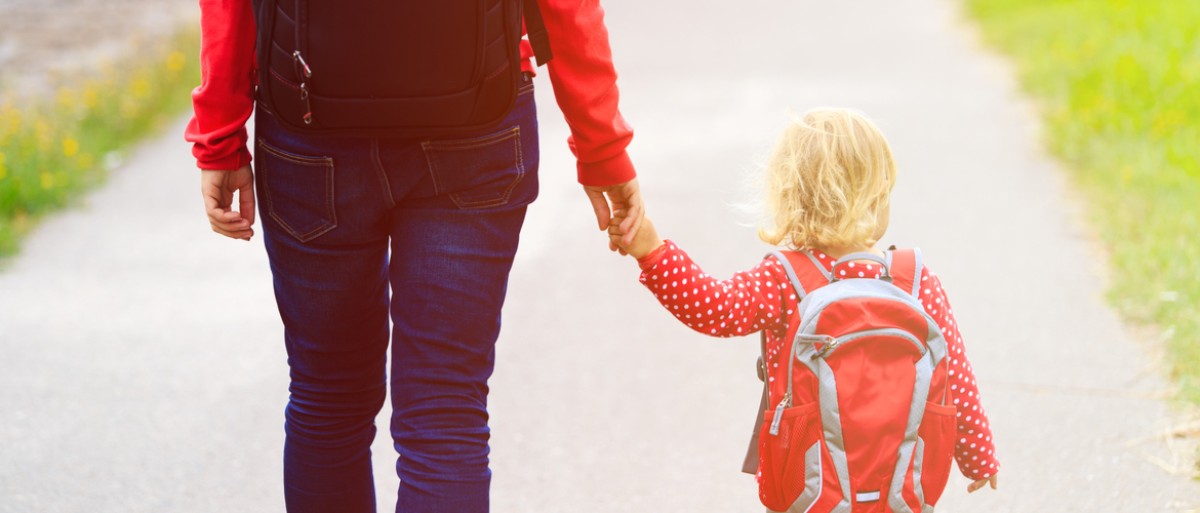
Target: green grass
[[57, 145], [1118, 83]]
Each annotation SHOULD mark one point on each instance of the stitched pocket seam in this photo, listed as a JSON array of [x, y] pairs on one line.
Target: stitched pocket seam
[[513, 133], [327, 164]]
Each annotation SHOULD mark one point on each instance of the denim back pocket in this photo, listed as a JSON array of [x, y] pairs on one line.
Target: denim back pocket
[[298, 191], [479, 172]]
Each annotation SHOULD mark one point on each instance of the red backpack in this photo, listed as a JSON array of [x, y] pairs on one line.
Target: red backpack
[[864, 423]]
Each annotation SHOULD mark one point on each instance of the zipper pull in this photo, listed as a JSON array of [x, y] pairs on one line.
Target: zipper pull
[[299, 60], [787, 398], [830, 344], [308, 115], [305, 72]]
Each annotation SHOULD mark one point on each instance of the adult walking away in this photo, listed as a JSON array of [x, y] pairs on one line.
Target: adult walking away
[[407, 128]]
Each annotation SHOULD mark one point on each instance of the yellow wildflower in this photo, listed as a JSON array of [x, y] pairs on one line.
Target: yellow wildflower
[[140, 87], [70, 147], [89, 94], [176, 60], [129, 108], [14, 120], [1167, 122], [47, 180], [66, 98], [42, 130]]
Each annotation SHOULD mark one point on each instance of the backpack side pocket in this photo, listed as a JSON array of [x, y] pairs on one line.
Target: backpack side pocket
[[938, 431], [789, 471]]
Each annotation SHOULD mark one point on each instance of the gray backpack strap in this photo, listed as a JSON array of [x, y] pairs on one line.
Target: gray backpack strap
[[787, 266], [750, 463], [918, 269], [861, 255], [816, 264], [917, 273], [883, 261]]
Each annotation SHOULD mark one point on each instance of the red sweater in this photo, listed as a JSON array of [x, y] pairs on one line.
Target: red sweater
[[763, 299], [582, 74]]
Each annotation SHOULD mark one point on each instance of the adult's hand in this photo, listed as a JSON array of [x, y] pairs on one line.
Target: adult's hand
[[218, 187], [626, 198]]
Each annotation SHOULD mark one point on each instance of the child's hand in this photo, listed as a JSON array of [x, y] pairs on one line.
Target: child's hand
[[979, 484], [644, 241]]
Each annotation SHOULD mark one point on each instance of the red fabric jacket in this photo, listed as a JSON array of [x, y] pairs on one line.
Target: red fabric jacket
[[582, 74]]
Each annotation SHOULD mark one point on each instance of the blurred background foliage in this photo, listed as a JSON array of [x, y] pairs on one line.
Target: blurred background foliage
[[57, 143], [1118, 83]]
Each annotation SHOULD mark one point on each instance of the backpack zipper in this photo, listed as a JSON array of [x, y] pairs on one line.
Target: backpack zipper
[[787, 397], [896, 332], [305, 72]]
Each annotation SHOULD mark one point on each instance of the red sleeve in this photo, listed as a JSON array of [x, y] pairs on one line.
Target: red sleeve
[[225, 98], [975, 451], [585, 86], [748, 302]]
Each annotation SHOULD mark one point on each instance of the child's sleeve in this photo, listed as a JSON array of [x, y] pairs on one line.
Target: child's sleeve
[[752, 300], [974, 451]]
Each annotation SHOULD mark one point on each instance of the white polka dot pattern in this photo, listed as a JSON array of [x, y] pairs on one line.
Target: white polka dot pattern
[[762, 299]]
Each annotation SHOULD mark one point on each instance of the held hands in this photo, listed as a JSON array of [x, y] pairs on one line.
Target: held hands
[[979, 484], [638, 244], [625, 197], [217, 188]]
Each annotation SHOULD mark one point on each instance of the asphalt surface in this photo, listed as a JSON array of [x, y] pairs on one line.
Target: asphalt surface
[[141, 358]]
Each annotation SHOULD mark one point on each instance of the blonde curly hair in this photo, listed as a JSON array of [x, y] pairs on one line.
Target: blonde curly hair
[[828, 183]]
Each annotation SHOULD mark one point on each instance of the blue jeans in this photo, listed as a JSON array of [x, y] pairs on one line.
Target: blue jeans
[[449, 210]]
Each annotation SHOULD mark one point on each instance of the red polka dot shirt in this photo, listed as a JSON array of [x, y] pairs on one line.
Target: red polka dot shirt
[[762, 298]]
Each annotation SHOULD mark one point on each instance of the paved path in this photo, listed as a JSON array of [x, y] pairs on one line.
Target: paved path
[[141, 368]]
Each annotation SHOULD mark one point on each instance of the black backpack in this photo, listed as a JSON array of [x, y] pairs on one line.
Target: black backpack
[[406, 68]]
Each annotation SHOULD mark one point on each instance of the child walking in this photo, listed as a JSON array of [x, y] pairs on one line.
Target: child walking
[[828, 186]]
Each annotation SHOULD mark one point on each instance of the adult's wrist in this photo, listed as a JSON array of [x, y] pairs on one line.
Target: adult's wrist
[[231, 162], [615, 170]]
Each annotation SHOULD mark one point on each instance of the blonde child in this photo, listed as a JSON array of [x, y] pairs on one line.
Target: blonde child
[[828, 186]]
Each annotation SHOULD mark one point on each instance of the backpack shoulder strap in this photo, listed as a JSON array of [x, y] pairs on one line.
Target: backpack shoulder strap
[[906, 269], [806, 274], [804, 271], [536, 28]]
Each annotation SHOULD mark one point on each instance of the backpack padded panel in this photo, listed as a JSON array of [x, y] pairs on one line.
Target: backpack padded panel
[[404, 68], [875, 379]]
